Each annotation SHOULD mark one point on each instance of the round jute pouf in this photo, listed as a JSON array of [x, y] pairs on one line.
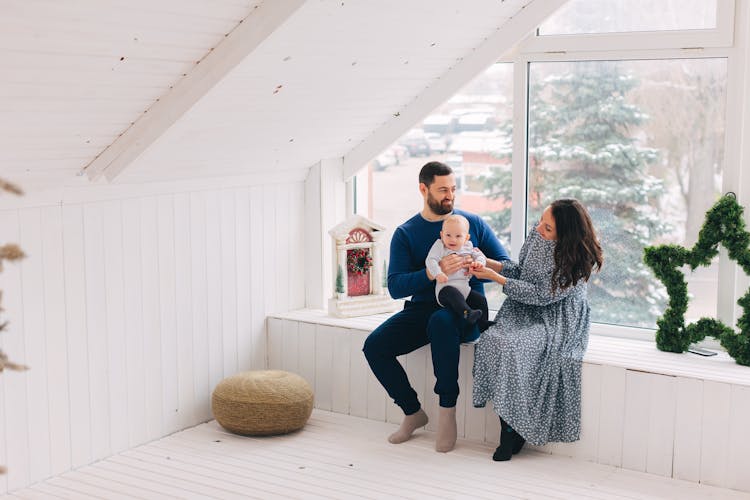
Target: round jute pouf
[[265, 402]]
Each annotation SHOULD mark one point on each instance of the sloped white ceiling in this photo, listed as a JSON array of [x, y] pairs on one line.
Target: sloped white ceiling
[[78, 74], [75, 74]]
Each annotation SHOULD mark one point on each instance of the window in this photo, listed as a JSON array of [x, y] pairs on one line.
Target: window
[[640, 143], [621, 16], [631, 124], [471, 133]]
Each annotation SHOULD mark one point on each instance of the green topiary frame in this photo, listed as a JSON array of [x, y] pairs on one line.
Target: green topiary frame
[[724, 224]]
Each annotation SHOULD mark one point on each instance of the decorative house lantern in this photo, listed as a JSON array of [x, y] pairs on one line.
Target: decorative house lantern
[[359, 267]]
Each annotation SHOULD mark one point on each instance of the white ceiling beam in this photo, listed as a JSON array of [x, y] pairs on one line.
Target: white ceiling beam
[[242, 41], [509, 34]]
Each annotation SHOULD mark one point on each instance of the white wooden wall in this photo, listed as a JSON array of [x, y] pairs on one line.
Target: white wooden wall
[[673, 426], [129, 312]]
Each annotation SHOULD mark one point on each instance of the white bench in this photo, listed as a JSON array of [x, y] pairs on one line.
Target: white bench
[[676, 415]]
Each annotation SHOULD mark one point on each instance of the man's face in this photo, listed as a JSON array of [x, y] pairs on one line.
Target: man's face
[[441, 194]]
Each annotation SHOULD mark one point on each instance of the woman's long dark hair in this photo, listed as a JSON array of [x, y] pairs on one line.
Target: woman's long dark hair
[[577, 250]]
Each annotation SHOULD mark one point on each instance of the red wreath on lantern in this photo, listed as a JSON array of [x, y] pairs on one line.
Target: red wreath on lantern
[[358, 261]]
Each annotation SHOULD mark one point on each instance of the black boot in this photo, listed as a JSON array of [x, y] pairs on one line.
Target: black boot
[[507, 442], [520, 441], [484, 324]]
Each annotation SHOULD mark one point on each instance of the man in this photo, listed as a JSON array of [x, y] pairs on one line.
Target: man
[[423, 321]]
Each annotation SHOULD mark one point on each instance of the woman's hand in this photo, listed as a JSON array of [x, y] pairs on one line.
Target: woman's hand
[[486, 273]]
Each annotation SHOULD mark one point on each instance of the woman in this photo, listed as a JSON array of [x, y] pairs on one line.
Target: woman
[[529, 363]]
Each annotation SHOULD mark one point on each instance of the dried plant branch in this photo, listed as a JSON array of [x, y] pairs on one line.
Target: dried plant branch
[[10, 187], [10, 251], [6, 363]]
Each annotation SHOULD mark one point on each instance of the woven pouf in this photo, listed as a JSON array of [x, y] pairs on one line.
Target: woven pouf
[[259, 403]]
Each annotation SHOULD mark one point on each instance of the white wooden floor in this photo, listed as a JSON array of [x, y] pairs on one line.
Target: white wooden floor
[[339, 456]]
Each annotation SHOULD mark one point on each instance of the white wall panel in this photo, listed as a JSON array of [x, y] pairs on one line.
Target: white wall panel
[[133, 320], [715, 437], [340, 368], [32, 286], [257, 291], [56, 339], [151, 318], [307, 353], [661, 432], [77, 334], [167, 319], [663, 424], [115, 319], [324, 339], [687, 434], [611, 418], [129, 312], [637, 417], [243, 243], [213, 289], [739, 451], [289, 347], [228, 264], [96, 326], [199, 300], [359, 370]]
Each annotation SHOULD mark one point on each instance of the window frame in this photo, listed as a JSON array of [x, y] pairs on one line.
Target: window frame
[[720, 42], [688, 44], [720, 36]]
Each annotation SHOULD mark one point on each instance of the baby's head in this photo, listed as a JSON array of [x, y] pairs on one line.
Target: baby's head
[[455, 231]]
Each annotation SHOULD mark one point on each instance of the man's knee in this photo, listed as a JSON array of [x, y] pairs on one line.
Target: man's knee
[[376, 344], [442, 323], [370, 347]]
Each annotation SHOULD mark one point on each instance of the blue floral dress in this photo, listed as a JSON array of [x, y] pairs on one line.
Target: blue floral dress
[[529, 363]]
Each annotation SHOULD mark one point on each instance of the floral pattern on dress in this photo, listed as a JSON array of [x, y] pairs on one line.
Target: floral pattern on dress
[[529, 363]]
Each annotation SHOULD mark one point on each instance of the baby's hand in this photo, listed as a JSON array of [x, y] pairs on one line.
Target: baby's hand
[[476, 266], [442, 278]]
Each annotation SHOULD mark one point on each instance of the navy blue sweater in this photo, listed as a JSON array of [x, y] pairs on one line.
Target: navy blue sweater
[[410, 245]]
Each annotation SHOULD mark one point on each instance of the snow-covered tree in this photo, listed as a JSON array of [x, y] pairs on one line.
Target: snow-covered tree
[[583, 143]]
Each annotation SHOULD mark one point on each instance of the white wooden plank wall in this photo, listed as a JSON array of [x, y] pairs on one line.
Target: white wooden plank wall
[[130, 311], [672, 426]]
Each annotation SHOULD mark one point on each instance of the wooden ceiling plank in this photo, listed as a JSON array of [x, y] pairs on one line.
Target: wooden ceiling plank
[[260, 24], [510, 33]]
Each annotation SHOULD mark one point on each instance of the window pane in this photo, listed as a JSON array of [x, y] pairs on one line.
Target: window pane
[[472, 133], [621, 16], [640, 143]]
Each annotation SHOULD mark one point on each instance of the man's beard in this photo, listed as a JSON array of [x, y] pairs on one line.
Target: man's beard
[[439, 208]]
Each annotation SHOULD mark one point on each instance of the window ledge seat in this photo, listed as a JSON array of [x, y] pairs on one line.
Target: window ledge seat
[[636, 355], [676, 415]]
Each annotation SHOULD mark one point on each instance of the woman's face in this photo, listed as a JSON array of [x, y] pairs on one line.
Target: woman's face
[[546, 227]]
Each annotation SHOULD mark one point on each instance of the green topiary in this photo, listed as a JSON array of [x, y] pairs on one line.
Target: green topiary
[[724, 224]]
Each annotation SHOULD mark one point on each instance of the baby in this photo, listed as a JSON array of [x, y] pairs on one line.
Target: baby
[[454, 291]]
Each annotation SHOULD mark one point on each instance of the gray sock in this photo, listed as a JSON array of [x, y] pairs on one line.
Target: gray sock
[[410, 424]]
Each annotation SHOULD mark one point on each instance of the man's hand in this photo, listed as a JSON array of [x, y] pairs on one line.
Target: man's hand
[[452, 263]]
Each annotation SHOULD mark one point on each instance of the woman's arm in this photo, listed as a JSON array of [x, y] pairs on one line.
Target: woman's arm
[[489, 272], [534, 294], [506, 268]]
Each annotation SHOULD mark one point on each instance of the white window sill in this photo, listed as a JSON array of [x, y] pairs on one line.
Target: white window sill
[[627, 353]]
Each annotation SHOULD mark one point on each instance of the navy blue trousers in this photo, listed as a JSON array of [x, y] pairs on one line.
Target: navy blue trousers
[[418, 324]]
